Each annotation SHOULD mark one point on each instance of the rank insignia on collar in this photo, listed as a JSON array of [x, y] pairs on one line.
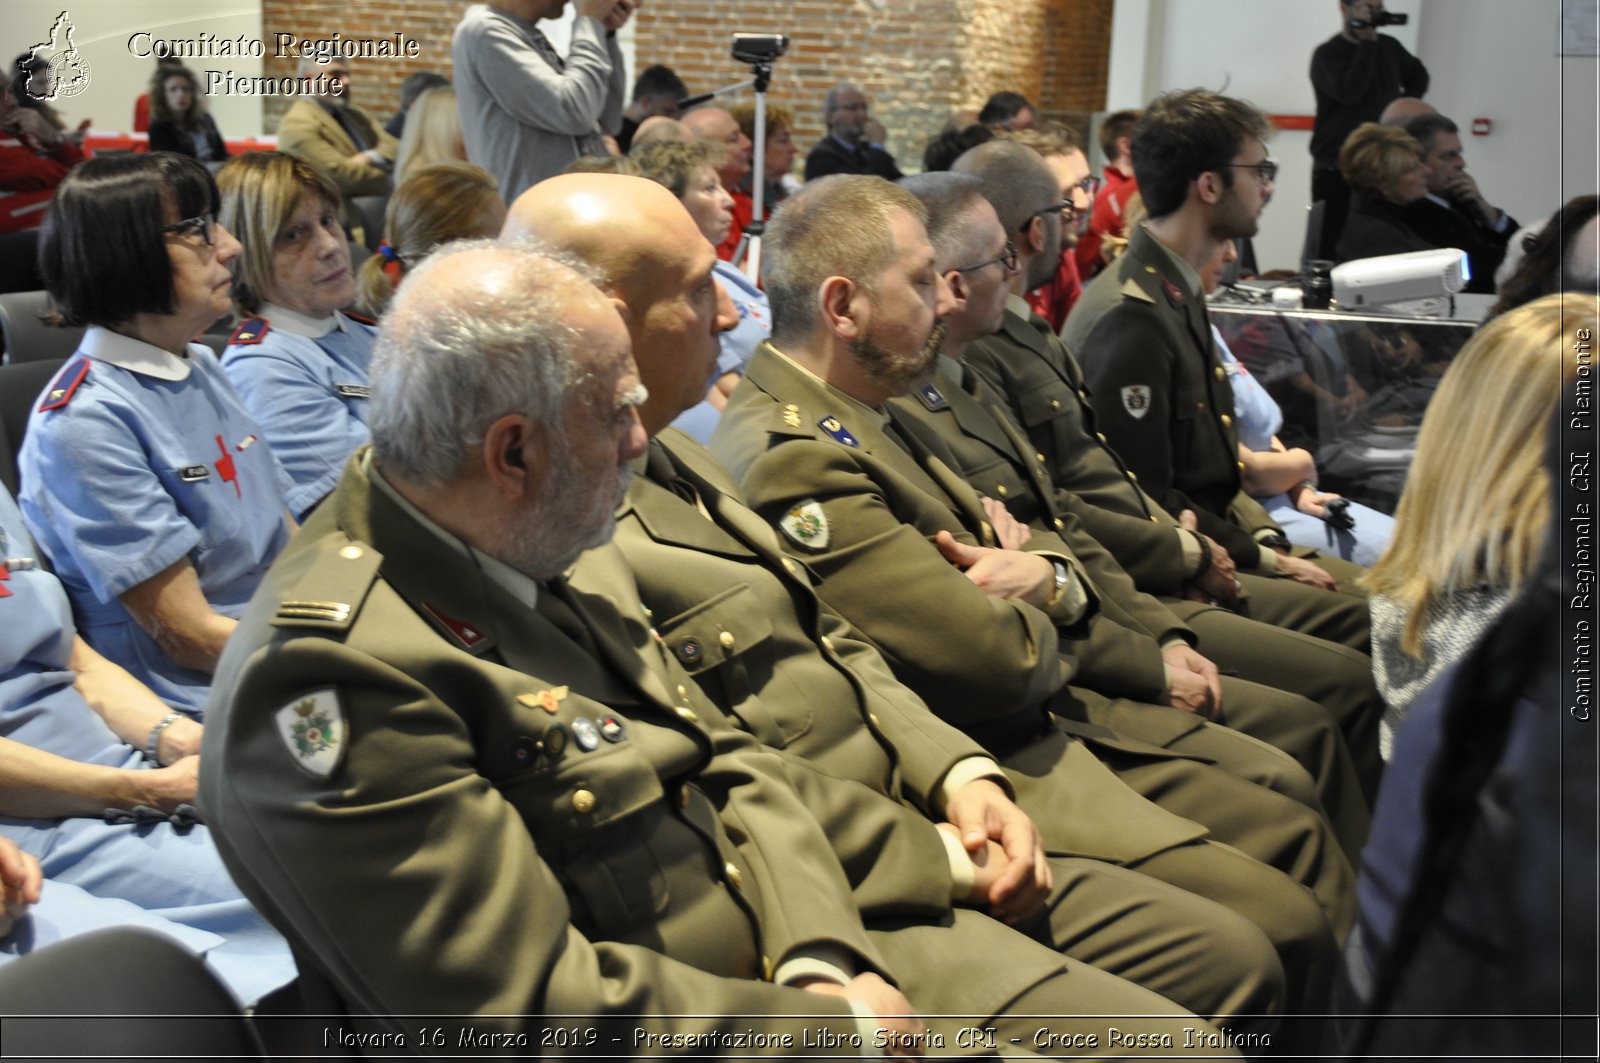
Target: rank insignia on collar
[[837, 431], [1136, 400], [932, 397], [313, 728], [1173, 291], [468, 636], [807, 525]]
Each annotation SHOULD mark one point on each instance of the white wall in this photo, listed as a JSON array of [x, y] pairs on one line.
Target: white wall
[[1487, 58]]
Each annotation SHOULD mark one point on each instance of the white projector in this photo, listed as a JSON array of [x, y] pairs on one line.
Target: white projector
[[1402, 278]]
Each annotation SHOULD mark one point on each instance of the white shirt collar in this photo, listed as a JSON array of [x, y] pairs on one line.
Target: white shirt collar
[[1443, 202], [297, 324], [136, 356], [522, 587]]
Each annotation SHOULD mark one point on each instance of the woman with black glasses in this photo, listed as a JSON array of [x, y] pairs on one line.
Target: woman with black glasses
[[144, 480]]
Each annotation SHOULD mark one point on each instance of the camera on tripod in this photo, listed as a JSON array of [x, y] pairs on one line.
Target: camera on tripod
[[759, 47]]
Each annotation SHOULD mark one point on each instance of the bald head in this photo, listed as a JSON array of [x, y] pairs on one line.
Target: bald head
[[650, 254], [717, 126], [658, 129], [1404, 109]]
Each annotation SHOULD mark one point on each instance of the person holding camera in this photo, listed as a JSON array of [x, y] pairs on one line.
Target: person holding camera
[[526, 112], [1354, 74]]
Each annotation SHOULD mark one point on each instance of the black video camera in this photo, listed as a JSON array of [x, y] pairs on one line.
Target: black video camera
[[759, 47], [1379, 20]]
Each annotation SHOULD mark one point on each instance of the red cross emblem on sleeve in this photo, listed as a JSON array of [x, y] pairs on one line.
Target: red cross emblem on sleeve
[[225, 469]]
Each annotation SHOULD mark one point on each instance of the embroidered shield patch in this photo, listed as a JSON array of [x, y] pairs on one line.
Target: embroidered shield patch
[[807, 525], [312, 727], [1136, 400]]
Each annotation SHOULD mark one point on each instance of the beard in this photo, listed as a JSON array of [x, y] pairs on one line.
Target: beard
[[896, 373], [566, 518]]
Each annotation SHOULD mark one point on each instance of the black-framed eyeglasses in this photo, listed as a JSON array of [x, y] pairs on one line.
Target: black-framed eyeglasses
[[1089, 185], [1064, 208], [1266, 169], [1008, 259], [203, 226]]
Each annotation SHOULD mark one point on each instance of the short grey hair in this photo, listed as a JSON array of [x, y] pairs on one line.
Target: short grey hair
[[948, 196], [446, 367]]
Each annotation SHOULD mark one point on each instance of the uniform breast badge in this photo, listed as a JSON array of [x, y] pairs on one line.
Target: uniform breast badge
[[1136, 400], [807, 525]]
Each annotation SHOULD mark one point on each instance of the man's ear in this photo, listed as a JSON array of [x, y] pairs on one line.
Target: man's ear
[[514, 451], [1208, 186], [960, 291], [1033, 235], [843, 304]]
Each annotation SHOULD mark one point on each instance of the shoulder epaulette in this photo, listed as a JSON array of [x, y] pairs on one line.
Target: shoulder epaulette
[[66, 384], [357, 317], [332, 588], [787, 420], [251, 330]]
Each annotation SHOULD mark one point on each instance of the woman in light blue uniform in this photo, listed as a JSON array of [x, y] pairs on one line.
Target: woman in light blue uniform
[[298, 361], [64, 766], [144, 480], [688, 169], [1283, 480]]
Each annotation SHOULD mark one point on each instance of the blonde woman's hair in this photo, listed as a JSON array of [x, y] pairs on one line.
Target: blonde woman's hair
[[436, 204], [432, 133], [261, 191], [1477, 501], [1375, 156]]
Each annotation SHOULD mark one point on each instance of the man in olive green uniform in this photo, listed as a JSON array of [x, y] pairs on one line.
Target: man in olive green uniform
[[1141, 330], [742, 619], [463, 787], [958, 411], [881, 533]]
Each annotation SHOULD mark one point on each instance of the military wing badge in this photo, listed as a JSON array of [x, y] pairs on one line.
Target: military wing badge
[[312, 726], [1136, 400], [806, 525]]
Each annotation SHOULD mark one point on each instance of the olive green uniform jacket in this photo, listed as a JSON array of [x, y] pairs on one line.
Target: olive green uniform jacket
[[859, 513], [957, 413], [508, 811], [742, 618]]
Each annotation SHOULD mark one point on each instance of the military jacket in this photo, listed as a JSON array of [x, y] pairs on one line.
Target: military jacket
[[858, 514], [454, 802]]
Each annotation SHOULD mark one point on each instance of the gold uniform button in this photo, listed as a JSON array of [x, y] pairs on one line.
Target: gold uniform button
[[1153, 519], [726, 639], [1055, 404], [1060, 524], [988, 531], [827, 643], [1000, 489], [874, 718], [687, 714], [583, 801], [1101, 436], [1227, 422], [683, 692], [1039, 458], [683, 797], [1218, 372], [794, 569], [768, 971], [1133, 476], [352, 552], [735, 876], [1241, 466]]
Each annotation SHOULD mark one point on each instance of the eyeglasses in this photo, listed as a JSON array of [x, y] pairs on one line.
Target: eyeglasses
[[1267, 169], [1065, 207], [202, 225], [1008, 259], [1089, 185]]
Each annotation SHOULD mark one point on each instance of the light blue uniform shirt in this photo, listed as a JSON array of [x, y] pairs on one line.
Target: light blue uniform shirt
[[150, 460], [305, 383], [100, 874]]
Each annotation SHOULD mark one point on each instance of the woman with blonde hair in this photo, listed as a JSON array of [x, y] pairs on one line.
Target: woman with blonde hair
[[436, 204], [1383, 165], [298, 360], [432, 133], [1476, 506]]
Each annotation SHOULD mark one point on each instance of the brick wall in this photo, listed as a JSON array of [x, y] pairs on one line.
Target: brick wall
[[917, 59]]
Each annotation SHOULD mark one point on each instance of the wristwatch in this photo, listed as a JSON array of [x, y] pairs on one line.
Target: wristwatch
[[1063, 575]]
